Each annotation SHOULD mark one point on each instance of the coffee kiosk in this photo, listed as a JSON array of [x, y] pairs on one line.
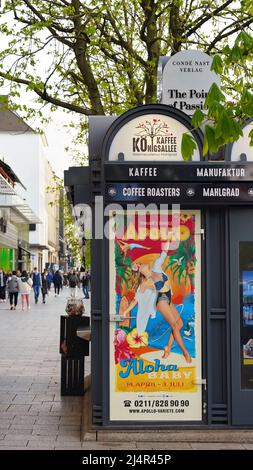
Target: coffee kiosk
[[172, 273]]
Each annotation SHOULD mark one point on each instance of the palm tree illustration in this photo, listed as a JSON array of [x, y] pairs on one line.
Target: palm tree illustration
[[123, 267], [182, 263], [153, 128]]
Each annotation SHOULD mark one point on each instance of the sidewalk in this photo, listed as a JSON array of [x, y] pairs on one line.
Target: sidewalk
[[33, 415]]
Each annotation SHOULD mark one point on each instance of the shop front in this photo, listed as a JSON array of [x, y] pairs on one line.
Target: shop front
[[172, 277]]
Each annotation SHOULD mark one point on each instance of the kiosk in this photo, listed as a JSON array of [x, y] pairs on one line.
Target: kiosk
[[172, 295]]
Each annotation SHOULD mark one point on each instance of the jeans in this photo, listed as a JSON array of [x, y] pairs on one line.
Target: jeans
[[36, 290], [86, 292]]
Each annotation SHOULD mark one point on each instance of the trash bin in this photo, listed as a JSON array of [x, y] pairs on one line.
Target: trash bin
[[73, 351]]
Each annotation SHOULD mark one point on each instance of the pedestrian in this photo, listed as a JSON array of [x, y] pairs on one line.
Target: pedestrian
[[61, 280], [36, 278], [73, 282], [13, 289], [3, 280], [49, 279], [44, 285], [65, 279], [85, 283], [57, 280], [25, 287]]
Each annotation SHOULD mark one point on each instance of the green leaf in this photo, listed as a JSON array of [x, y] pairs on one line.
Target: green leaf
[[236, 53], [251, 138], [210, 143], [215, 109], [214, 94], [217, 64], [197, 118], [224, 127], [188, 145]]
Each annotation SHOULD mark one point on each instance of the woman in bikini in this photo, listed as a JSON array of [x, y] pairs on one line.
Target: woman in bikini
[[155, 277]]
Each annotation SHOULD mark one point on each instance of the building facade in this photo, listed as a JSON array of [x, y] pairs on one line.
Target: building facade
[[25, 151]]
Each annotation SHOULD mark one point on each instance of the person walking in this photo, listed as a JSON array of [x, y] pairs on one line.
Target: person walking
[[49, 279], [36, 278], [44, 285], [85, 283], [3, 279], [13, 289], [73, 282], [65, 279], [25, 287], [57, 280]]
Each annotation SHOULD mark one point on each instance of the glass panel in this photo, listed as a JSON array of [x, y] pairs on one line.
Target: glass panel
[[246, 313], [155, 290]]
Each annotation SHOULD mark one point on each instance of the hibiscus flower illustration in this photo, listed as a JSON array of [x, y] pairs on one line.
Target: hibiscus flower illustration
[[136, 339], [121, 346]]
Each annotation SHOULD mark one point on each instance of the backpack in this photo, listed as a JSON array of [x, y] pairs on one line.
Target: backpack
[[13, 285]]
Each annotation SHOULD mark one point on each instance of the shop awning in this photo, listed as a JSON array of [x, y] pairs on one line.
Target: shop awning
[[20, 206]]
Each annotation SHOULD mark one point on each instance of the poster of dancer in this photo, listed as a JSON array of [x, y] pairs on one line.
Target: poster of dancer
[[155, 290]]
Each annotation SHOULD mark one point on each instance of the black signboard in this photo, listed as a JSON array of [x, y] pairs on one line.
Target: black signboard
[[224, 171], [181, 193]]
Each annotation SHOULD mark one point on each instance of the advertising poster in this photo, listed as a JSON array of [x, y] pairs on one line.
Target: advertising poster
[[247, 311], [155, 291]]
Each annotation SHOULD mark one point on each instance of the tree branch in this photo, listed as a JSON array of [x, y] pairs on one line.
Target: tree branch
[[204, 18], [50, 28], [221, 36], [45, 96]]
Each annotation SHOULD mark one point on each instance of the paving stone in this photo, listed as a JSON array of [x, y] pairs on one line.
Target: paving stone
[[12, 440], [2, 447], [69, 427], [62, 440], [248, 446], [68, 447], [39, 446], [216, 446], [163, 446], [65, 420], [19, 409], [23, 399], [108, 446], [20, 431], [24, 420]]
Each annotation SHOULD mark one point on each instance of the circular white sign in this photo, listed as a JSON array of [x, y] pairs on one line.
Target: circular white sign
[[241, 150], [150, 137], [187, 79]]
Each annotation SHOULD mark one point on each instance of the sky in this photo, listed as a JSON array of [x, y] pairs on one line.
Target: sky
[[58, 138]]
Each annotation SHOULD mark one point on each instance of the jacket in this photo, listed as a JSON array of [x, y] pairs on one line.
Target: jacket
[[25, 285], [36, 278]]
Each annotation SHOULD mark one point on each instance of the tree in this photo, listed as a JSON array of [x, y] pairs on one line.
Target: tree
[[102, 55]]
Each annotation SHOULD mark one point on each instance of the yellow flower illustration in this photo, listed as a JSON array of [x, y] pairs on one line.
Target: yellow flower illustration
[[184, 232], [136, 339]]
